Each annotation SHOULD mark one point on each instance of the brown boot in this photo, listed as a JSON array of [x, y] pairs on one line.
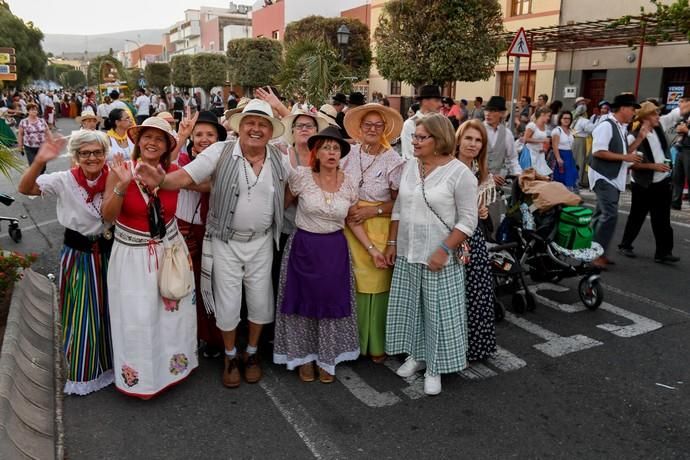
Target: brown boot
[[325, 377], [231, 372], [306, 372], [252, 367]]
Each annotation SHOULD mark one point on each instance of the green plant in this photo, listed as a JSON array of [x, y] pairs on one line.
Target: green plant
[[10, 266], [254, 62], [9, 161]]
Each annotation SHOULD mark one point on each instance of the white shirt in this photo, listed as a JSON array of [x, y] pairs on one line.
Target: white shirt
[[118, 104], [601, 138], [254, 211], [565, 141], [126, 152], [103, 110], [512, 161], [408, 129], [73, 211], [451, 190], [666, 122], [582, 127], [142, 104]]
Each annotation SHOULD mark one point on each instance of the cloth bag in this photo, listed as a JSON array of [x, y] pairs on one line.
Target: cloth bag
[[175, 278]]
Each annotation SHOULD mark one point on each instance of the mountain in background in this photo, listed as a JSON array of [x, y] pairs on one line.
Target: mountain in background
[[99, 44]]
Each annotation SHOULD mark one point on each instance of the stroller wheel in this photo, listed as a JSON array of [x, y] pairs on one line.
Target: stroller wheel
[[499, 311], [519, 302], [15, 232], [591, 293]]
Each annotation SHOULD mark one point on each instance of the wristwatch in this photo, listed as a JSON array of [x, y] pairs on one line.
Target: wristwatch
[[379, 211]]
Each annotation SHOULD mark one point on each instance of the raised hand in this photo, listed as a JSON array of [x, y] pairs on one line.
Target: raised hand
[[187, 124], [268, 96], [120, 167], [51, 149], [149, 176]]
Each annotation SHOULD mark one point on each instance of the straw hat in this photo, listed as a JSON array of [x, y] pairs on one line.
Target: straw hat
[[321, 123], [241, 104], [257, 108], [330, 113], [86, 114], [155, 123], [167, 116], [393, 120], [646, 109]]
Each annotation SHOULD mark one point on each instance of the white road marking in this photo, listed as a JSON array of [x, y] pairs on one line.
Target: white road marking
[[363, 391], [506, 361], [666, 386], [641, 325], [627, 213], [645, 300], [415, 388], [555, 345], [297, 416], [552, 303], [477, 371]]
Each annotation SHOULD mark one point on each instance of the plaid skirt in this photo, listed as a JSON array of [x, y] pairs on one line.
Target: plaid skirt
[[427, 317]]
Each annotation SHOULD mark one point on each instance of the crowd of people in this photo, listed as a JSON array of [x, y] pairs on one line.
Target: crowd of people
[[310, 220]]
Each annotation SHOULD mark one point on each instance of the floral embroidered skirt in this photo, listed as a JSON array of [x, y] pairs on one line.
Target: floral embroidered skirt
[[479, 287], [154, 342]]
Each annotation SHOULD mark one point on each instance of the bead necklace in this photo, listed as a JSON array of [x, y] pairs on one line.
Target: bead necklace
[[366, 149], [246, 175]]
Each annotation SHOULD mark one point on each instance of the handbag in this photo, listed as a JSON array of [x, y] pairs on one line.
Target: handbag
[[175, 278], [462, 252], [525, 158]]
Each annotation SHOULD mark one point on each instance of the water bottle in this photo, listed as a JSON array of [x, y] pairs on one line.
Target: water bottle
[[527, 218]]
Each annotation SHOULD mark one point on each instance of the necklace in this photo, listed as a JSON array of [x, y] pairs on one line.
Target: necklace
[[366, 149], [328, 197], [246, 175]]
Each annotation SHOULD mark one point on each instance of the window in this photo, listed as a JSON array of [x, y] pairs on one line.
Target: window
[[520, 7], [275, 35], [395, 88]]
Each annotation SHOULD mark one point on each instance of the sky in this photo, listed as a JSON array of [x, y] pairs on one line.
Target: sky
[[84, 17]]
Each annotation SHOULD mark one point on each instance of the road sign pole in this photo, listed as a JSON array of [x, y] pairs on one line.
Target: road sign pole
[[514, 95]]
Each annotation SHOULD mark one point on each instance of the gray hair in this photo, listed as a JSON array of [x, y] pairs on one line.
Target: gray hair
[[84, 136]]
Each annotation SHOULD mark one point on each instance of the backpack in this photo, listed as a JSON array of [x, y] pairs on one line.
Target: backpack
[[574, 228]]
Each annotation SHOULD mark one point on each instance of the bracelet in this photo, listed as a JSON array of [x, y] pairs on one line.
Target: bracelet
[[118, 192], [445, 248], [370, 247], [391, 243]]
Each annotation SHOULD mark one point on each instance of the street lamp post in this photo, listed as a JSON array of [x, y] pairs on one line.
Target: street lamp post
[[343, 36]]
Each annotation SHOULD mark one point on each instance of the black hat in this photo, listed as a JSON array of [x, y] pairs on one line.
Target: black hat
[[448, 100], [340, 98], [429, 92], [497, 103], [603, 102], [624, 100], [208, 117], [357, 98], [114, 94], [333, 133]]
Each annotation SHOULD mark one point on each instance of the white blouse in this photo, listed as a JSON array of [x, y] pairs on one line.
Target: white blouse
[[319, 211], [451, 190], [565, 141], [73, 211], [381, 172], [115, 148]]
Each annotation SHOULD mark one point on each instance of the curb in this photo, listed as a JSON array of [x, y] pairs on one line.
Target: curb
[[30, 405]]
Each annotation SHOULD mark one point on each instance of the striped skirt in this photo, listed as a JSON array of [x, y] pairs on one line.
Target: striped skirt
[[85, 320], [427, 317]]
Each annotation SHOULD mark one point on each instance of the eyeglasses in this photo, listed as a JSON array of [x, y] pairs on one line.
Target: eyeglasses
[[304, 126], [330, 148], [85, 154], [416, 138], [368, 126]]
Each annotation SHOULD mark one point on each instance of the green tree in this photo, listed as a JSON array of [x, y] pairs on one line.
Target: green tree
[[441, 41], [254, 62], [209, 70], [357, 62], [25, 38], [181, 68], [54, 71], [73, 79], [157, 74]]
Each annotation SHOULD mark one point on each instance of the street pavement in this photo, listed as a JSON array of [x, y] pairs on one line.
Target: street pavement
[[567, 382]]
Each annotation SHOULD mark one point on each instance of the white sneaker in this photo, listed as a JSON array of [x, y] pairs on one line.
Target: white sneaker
[[410, 367], [432, 384]]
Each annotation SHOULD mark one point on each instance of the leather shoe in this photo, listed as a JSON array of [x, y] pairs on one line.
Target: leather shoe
[[667, 258], [306, 372], [325, 377], [252, 367], [231, 372], [410, 367], [627, 252], [600, 263]]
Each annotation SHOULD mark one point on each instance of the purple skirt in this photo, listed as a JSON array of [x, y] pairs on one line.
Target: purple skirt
[[317, 283]]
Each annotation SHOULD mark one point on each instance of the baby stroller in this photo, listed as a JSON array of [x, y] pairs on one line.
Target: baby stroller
[[13, 228], [542, 257]]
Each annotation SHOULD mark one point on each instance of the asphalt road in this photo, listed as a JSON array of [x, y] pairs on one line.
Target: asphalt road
[[568, 383]]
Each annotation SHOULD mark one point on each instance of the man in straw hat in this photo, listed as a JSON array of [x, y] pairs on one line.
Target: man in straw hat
[[88, 120], [245, 215], [429, 102], [608, 168], [651, 181]]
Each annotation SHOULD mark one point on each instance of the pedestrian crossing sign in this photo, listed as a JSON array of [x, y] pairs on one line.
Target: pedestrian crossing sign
[[519, 46]]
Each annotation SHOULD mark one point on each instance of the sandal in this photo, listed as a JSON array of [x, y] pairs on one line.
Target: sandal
[[325, 377], [306, 372], [379, 359]]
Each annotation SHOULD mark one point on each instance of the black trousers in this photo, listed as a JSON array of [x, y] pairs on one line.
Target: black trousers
[[656, 201], [681, 173]]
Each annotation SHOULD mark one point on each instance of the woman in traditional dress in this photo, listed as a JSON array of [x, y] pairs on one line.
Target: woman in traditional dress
[[64, 106], [562, 140], [120, 143], [316, 320], [435, 212], [154, 339], [84, 257], [472, 144], [192, 209], [536, 140], [375, 167]]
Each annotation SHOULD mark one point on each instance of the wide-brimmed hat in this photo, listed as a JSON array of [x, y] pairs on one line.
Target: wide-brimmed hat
[[86, 114], [356, 98], [241, 104], [429, 92], [321, 123], [331, 114], [393, 120], [154, 123], [167, 116], [258, 108], [646, 108], [332, 133], [624, 100], [581, 99], [210, 118], [497, 103], [340, 98]]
